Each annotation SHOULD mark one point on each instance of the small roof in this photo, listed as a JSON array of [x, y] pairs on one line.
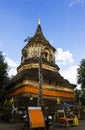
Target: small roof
[[65, 105]]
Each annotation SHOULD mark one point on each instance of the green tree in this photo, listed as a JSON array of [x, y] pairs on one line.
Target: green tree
[[81, 74], [3, 76], [78, 95], [81, 80]]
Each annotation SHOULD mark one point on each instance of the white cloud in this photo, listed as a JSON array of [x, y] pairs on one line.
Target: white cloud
[[74, 2], [12, 66], [64, 57], [10, 62], [70, 74], [78, 86], [12, 71], [66, 63]]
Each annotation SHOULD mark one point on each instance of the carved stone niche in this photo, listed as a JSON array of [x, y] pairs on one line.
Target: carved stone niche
[[24, 53]]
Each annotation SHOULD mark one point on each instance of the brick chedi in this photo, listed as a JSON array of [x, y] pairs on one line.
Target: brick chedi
[[26, 81]]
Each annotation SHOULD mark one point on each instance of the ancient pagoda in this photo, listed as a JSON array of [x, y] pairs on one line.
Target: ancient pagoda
[[38, 52]]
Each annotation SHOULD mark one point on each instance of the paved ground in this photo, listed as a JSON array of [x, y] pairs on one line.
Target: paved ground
[[5, 126], [80, 127]]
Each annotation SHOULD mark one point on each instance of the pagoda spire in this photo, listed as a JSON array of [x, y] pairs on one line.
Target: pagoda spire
[[39, 20], [39, 30]]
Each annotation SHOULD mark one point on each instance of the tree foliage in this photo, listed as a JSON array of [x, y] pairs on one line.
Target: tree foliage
[[80, 94], [3, 75], [81, 74]]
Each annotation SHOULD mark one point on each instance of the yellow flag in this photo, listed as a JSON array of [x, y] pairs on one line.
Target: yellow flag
[[58, 100], [11, 100]]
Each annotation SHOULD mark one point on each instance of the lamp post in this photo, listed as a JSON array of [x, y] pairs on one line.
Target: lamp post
[[40, 80]]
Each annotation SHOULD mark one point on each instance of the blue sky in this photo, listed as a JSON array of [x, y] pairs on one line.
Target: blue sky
[[63, 25]]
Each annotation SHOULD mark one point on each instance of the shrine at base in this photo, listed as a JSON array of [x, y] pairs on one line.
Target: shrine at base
[[26, 81]]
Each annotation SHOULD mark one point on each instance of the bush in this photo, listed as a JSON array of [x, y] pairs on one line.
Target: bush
[[6, 112]]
